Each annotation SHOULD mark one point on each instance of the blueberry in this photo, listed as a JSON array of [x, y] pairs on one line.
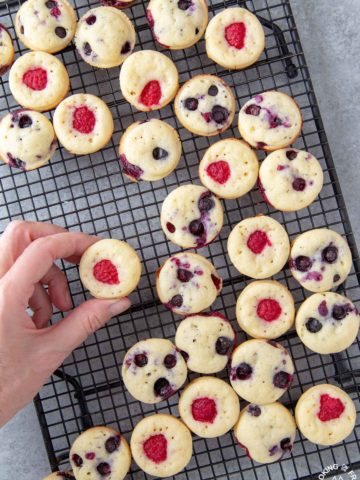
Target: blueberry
[[170, 361], [104, 469], [205, 202], [140, 360], [184, 275], [291, 154], [273, 450], [60, 32], [78, 461], [50, 4], [223, 345], [91, 20], [339, 312], [185, 355], [16, 162], [213, 91], [219, 114], [330, 254], [299, 184], [159, 153], [282, 380], [112, 444], [162, 387], [176, 301], [184, 4], [196, 31], [25, 121], [191, 104], [125, 48], [336, 278], [87, 49], [254, 410], [253, 110], [302, 263], [313, 325], [244, 371], [196, 227], [286, 444]]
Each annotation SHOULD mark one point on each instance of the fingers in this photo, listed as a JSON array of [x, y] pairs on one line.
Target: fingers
[[18, 235], [37, 259], [73, 330], [58, 288], [40, 304]]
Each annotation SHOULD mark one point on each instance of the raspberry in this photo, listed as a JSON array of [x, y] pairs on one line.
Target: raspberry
[[151, 94], [55, 12], [150, 18], [268, 309], [219, 171], [170, 227], [235, 34], [106, 272], [83, 120], [204, 410], [257, 241], [155, 448], [216, 281], [35, 78], [330, 408]]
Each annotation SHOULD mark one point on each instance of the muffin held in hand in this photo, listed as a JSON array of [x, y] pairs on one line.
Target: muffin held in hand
[[110, 269]]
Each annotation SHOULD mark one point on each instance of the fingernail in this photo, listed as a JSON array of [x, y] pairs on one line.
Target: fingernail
[[119, 306]]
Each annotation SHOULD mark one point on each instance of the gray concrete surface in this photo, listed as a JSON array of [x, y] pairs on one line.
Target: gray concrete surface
[[330, 36]]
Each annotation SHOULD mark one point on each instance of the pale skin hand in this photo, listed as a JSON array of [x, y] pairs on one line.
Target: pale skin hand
[[31, 349]]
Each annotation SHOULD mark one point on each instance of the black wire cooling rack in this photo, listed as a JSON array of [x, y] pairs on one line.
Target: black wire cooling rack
[[89, 193]]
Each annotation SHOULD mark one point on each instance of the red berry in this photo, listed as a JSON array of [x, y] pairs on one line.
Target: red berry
[[330, 408], [35, 78], [268, 309], [257, 241], [204, 410], [216, 281], [235, 34], [106, 272], [55, 12], [219, 171], [83, 120], [151, 94], [155, 448]]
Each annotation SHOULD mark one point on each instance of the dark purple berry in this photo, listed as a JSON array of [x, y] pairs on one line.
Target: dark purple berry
[[112, 444], [244, 371], [78, 461], [253, 110], [330, 254], [87, 49], [336, 278], [159, 153], [191, 104], [184, 4], [213, 91], [140, 360], [170, 361], [162, 387], [223, 345], [185, 355], [91, 20], [25, 121], [196, 227], [219, 114], [291, 154], [104, 469], [273, 450], [286, 444], [125, 48], [302, 263], [22, 29], [254, 410], [176, 301], [313, 325], [50, 4], [339, 312], [282, 380], [196, 31], [299, 184], [206, 203], [184, 275], [60, 32], [16, 162]]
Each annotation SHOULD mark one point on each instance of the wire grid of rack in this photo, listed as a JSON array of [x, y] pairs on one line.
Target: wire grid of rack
[[89, 193]]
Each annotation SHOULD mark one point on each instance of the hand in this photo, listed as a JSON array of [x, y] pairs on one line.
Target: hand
[[30, 349]]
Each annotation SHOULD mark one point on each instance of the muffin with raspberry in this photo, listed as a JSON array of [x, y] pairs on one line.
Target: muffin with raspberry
[[6, 50]]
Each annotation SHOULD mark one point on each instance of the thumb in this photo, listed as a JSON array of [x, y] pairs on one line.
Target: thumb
[[84, 320]]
